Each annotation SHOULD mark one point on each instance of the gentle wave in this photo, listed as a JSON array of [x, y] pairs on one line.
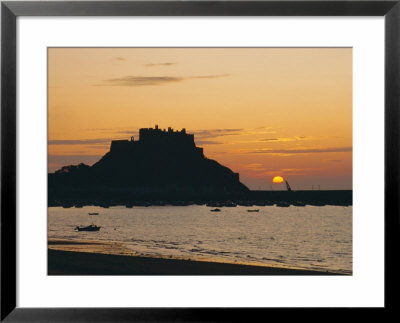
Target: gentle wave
[[299, 237]]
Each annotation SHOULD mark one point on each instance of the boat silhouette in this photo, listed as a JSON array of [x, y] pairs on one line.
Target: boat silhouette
[[91, 227]]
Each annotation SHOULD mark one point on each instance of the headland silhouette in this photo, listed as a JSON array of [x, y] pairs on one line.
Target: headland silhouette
[[166, 167]]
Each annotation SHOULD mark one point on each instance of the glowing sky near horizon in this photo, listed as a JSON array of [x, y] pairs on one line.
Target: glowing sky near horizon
[[263, 112]]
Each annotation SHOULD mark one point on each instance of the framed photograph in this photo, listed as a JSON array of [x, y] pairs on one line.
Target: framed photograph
[[175, 160]]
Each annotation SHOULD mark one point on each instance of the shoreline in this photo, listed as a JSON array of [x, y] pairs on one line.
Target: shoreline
[[84, 257]]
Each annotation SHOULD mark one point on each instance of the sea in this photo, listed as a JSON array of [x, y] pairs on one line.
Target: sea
[[304, 237]]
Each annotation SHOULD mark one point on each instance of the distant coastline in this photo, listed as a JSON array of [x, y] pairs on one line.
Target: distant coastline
[[251, 198]]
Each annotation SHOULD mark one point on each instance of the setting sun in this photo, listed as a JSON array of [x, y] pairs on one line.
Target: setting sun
[[277, 179]]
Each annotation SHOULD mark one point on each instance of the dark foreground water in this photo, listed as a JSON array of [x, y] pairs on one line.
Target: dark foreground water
[[309, 237]]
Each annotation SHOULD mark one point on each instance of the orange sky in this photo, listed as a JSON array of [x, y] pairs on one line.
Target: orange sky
[[263, 112]]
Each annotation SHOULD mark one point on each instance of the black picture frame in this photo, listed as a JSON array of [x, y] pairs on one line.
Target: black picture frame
[[11, 10]]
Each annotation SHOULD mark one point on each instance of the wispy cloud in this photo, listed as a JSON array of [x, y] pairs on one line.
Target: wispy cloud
[[135, 81], [302, 151], [202, 137], [120, 58], [115, 130], [198, 134], [142, 80], [260, 131], [213, 133], [208, 142], [159, 64], [260, 171], [290, 172], [334, 160], [255, 167], [285, 139], [80, 141]]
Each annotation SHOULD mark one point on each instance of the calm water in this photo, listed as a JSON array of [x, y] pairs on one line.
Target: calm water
[[308, 237]]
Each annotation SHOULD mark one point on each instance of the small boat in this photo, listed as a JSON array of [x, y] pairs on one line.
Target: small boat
[[253, 210], [93, 213], [215, 210], [91, 227]]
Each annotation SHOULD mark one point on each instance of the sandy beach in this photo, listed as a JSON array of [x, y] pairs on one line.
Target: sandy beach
[[79, 257]]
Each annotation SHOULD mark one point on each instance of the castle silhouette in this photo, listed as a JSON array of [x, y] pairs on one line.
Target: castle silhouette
[[162, 164], [163, 141]]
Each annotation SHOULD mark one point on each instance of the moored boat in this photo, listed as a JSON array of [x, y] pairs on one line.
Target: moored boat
[[91, 227]]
